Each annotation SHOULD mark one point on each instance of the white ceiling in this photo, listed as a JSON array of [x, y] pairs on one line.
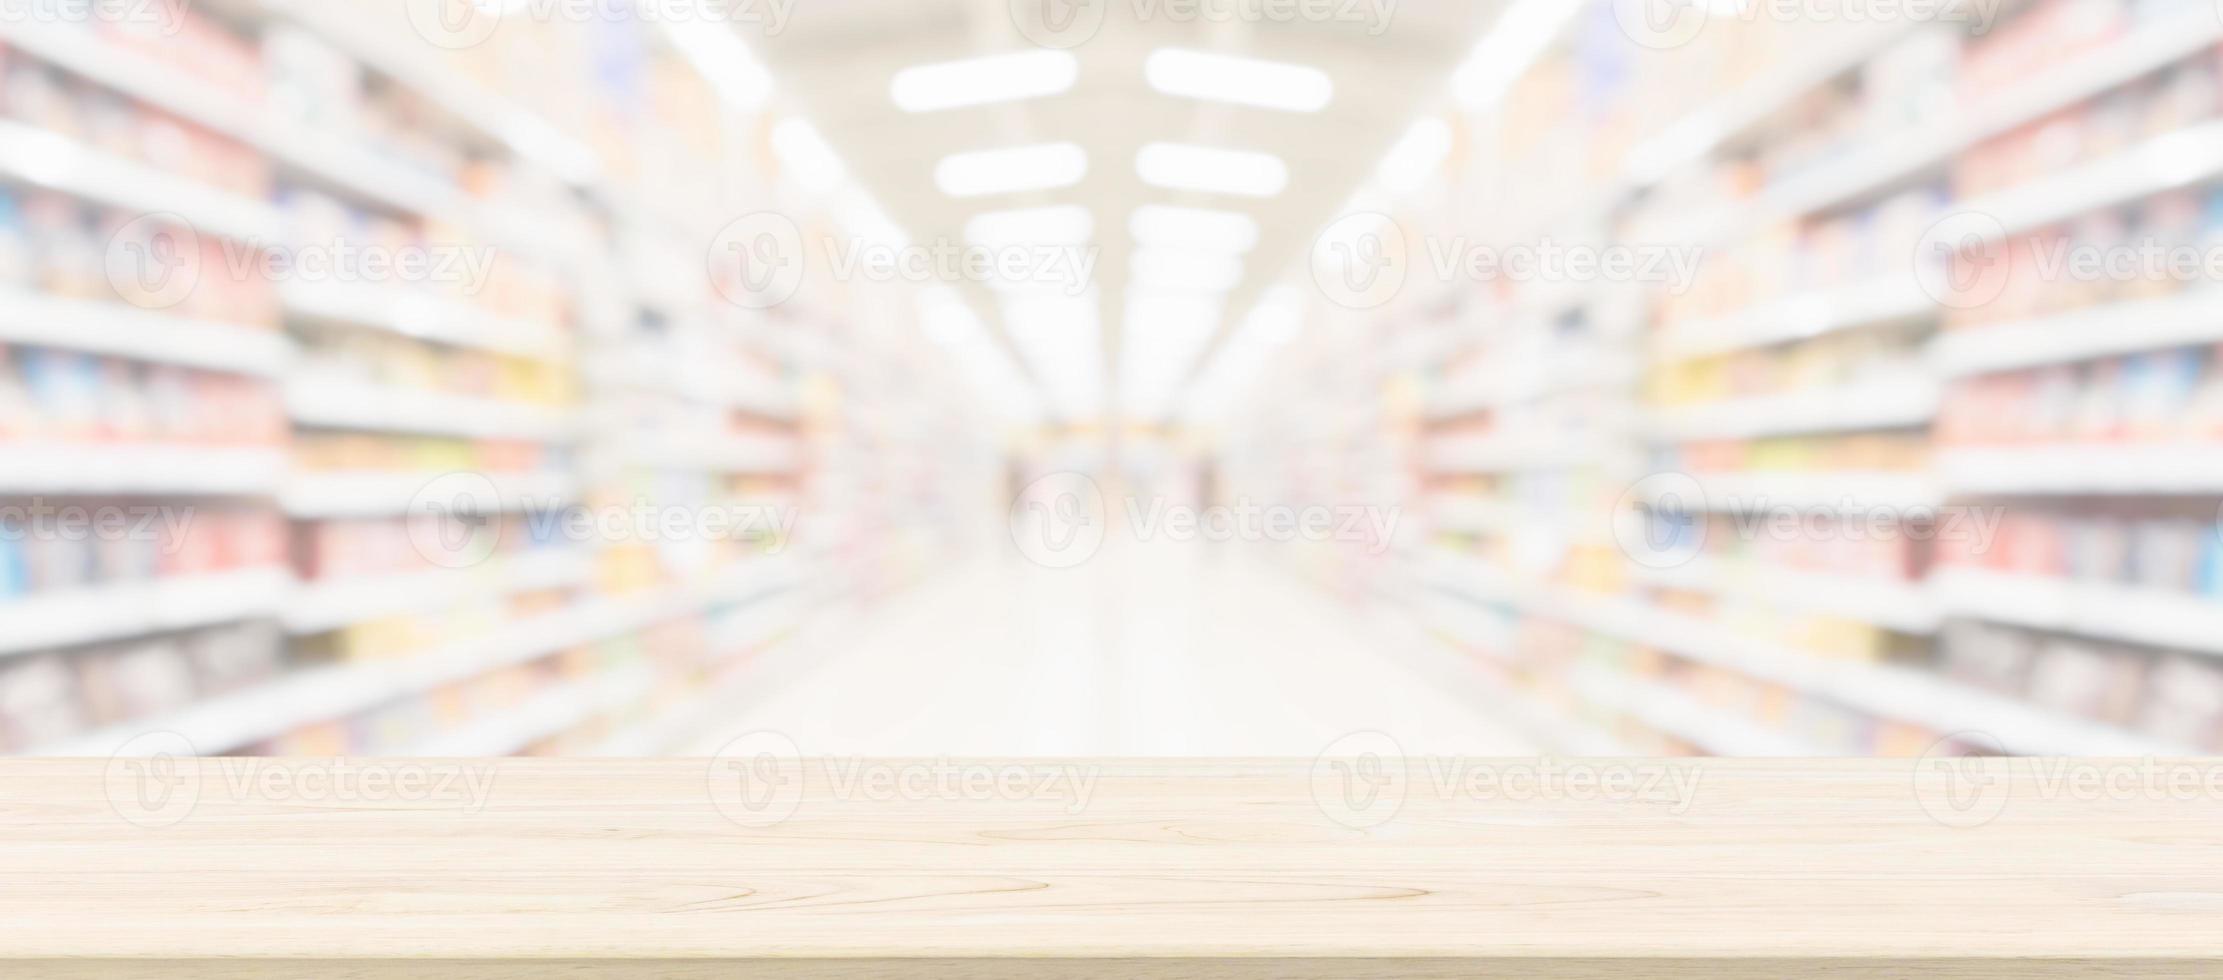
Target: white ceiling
[[834, 62]]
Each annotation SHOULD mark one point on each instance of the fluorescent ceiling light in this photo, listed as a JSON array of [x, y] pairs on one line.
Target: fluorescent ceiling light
[[1241, 81], [1062, 225], [808, 159], [983, 81], [1210, 170], [1042, 167], [1416, 157], [1231, 232], [1521, 37], [1186, 270]]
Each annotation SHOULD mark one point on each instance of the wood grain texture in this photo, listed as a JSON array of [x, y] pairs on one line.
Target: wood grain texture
[[513, 868]]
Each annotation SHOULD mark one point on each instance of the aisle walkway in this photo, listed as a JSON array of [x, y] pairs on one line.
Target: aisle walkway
[[1158, 650]]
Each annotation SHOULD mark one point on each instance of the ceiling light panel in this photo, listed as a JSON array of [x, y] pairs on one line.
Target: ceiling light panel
[[1166, 226], [1211, 170], [1186, 270], [1252, 82], [984, 81], [1012, 170], [1063, 225]]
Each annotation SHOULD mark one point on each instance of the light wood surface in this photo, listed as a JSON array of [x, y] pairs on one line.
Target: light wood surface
[[1694, 868]]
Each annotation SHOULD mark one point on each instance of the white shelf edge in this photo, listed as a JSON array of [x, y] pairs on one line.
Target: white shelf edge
[[106, 613]]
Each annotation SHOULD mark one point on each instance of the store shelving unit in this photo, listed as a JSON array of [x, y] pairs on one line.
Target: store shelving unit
[[601, 637], [1728, 652]]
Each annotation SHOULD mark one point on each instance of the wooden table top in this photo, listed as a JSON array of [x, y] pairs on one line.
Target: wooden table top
[[1358, 866]]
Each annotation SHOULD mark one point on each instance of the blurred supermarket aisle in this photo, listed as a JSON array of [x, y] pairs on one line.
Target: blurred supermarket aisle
[[1160, 649]]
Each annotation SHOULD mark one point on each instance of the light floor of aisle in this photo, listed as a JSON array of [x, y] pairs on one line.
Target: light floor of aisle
[[1152, 650]]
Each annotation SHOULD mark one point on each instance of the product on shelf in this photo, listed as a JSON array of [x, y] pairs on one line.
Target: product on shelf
[[47, 698], [69, 398], [2173, 396], [2178, 697]]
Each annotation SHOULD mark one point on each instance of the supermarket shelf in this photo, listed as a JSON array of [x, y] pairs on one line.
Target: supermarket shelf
[[741, 390], [115, 612], [1508, 454], [2073, 470], [334, 160], [1909, 695], [2164, 163], [1904, 402], [2108, 612], [422, 316], [1450, 663], [1567, 372], [1896, 158], [318, 607], [511, 730], [50, 160], [418, 68], [734, 454], [1668, 710], [670, 726], [170, 471], [1755, 103], [229, 723], [1474, 514], [121, 330], [1905, 607], [318, 496], [2104, 331], [1848, 491], [341, 404], [1884, 302]]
